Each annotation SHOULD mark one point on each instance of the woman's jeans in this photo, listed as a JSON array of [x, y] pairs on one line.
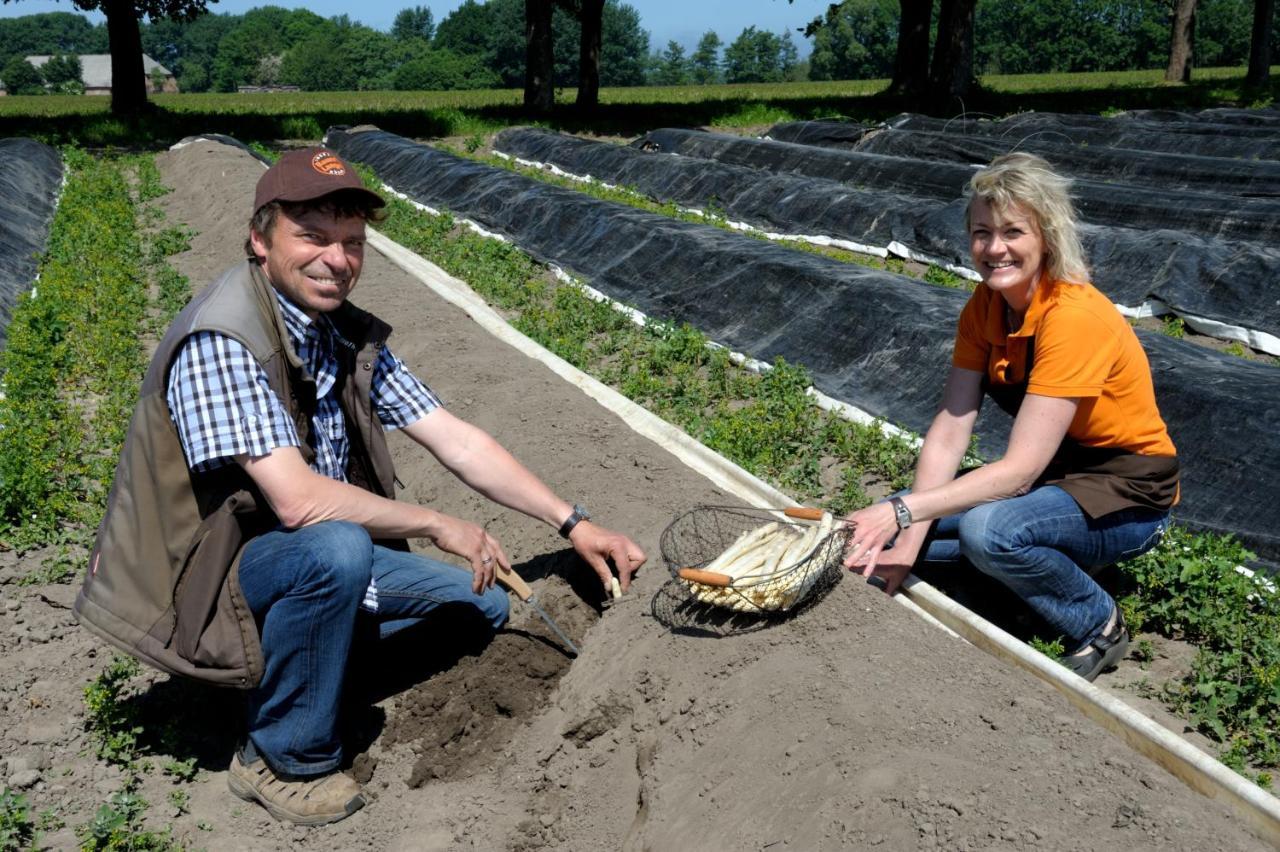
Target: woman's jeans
[[1042, 546], [305, 588]]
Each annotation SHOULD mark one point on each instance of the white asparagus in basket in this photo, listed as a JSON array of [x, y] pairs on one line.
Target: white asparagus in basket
[[755, 572]]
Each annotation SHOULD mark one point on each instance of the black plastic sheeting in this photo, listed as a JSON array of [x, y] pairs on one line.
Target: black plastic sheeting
[[1203, 138], [29, 186], [1099, 203], [1225, 281], [1219, 175], [879, 341]]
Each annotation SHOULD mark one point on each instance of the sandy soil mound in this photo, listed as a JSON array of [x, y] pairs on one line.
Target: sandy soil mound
[[852, 725]]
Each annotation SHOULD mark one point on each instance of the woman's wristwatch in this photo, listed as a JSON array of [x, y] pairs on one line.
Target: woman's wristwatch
[[579, 514], [901, 512]]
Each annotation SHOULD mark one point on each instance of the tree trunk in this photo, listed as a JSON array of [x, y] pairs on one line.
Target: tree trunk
[[1260, 45], [911, 64], [1182, 35], [539, 65], [128, 82], [951, 73], [592, 20]]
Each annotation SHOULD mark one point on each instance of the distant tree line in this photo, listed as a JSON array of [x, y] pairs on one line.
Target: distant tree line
[[482, 45], [858, 39]]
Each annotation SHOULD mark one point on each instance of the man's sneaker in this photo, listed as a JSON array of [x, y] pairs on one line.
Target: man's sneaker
[[1102, 653], [304, 801]]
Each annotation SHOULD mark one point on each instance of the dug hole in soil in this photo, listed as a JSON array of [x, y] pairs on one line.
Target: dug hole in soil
[[853, 724]]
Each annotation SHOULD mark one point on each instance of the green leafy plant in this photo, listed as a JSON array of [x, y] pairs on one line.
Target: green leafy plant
[[1188, 587], [180, 801], [1173, 326], [17, 829], [110, 720], [1053, 649], [182, 770], [118, 826]]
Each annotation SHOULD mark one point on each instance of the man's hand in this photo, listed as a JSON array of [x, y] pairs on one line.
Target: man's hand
[[476, 545], [595, 545]]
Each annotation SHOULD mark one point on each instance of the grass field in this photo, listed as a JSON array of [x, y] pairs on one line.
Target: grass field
[[86, 121]]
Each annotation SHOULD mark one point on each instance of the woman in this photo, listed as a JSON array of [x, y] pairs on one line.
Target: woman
[[1090, 473]]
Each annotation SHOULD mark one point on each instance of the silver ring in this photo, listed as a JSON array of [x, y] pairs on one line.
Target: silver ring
[[486, 560]]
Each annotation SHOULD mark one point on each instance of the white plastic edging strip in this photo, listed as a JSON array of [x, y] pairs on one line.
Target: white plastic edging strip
[[1189, 764], [1192, 766]]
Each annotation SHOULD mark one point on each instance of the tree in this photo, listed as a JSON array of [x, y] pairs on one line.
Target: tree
[[624, 46], [416, 22], [951, 70], [910, 61], [855, 40], [755, 56], [1260, 44], [539, 91], [442, 70], [128, 81], [590, 50], [465, 31], [21, 77], [62, 69], [705, 60], [1181, 39], [52, 32], [671, 68]]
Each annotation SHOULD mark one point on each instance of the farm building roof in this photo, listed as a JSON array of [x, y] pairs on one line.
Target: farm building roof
[[96, 68]]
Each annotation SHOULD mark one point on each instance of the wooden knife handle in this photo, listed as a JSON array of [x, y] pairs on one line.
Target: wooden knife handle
[[509, 579], [803, 513], [706, 578]]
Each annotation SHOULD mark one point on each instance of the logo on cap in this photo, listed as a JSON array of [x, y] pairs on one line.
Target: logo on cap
[[327, 163]]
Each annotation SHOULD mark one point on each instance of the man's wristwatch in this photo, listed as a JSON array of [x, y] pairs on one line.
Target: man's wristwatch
[[901, 512], [579, 514]]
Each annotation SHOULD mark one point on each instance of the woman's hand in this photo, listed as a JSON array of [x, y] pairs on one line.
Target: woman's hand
[[872, 530]]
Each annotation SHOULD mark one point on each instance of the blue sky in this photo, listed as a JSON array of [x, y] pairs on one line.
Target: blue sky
[[683, 21]]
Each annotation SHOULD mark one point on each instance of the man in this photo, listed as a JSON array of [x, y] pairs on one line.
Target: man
[[251, 522]]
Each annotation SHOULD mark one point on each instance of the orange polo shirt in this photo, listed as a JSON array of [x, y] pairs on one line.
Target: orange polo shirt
[[1081, 347]]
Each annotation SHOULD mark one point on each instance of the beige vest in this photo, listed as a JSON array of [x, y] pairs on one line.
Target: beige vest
[[162, 582]]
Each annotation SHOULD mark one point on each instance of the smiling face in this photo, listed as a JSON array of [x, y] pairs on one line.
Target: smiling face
[[312, 256], [1007, 250]]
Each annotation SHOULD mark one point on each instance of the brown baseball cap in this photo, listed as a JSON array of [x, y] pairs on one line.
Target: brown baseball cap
[[306, 175]]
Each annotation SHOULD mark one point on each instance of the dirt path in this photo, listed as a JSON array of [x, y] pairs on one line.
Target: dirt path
[[853, 725]]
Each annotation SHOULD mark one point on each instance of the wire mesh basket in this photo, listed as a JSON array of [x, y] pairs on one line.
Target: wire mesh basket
[[776, 568]]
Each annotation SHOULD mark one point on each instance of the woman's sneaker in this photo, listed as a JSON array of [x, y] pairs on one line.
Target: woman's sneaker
[[1102, 653], [301, 801]]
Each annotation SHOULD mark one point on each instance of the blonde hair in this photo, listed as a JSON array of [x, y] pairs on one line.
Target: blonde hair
[[1029, 182]]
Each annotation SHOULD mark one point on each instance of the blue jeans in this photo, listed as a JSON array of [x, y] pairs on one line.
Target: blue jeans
[[305, 588], [1042, 545]]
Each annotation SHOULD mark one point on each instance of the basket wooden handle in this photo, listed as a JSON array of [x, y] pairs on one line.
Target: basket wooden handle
[[706, 578], [803, 513]]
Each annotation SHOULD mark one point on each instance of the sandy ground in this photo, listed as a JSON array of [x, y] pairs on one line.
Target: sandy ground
[[851, 725]]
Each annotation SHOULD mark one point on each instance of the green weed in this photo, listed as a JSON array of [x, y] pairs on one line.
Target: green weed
[[118, 827], [111, 722], [1173, 326], [17, 828], [1188, 588], [181, 770], [1054, 649], [73, 359]]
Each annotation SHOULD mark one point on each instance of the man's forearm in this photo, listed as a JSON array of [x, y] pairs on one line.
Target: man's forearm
[[299, 497], [483, 464]]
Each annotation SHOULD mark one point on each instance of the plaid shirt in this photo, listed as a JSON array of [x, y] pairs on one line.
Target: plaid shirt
[[222, 404]]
